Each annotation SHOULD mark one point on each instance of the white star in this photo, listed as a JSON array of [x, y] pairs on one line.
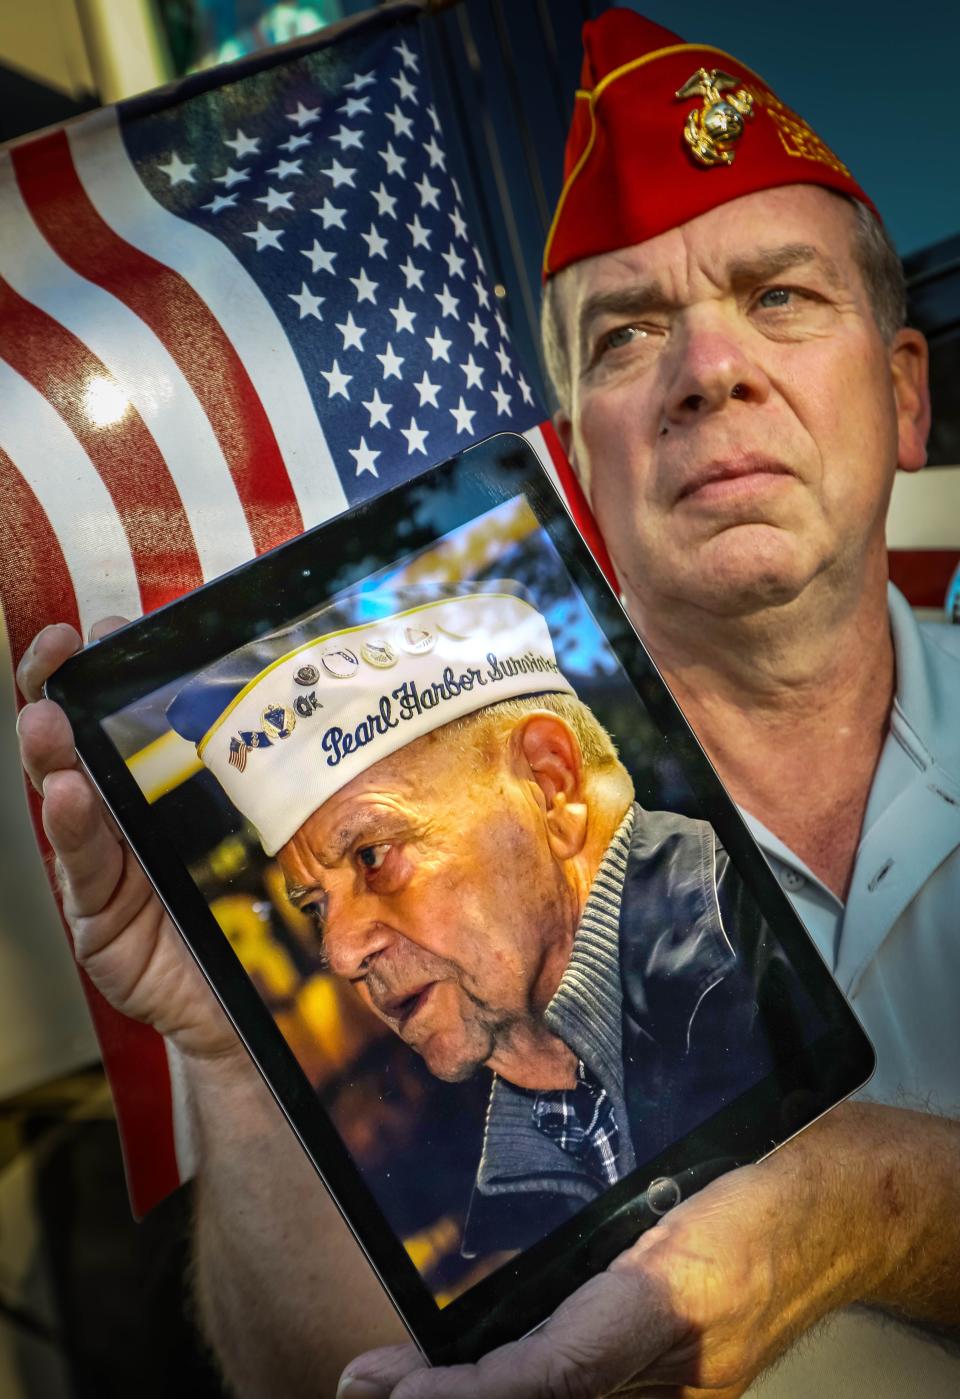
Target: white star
[[304, 116], [455, 263], [464, 416], [393, 162], [505, 366], [276, 199], [402, 316], [364, 456], [402, 125], [413, 276], [231, 177], [427, 391], [474, 373], [415, 438], [337, 381], [284, 168], [459, 227], [483, 296], [478, 259], [419, 234], [448, 303], [410, 59], [320, 259], [242, 145], [501, 324], [178, 172], [340, 174], [502, 399], [221, 201], [376, 243], [359, 81], [355, 105], [352, 333], [480, 331], [378, 409], [308, 303], [365, 288], [391, 363], [266, 237], [438, 345], [345, 138], [436, 153], [332, 216], [295, 143], [406, 89], [432, 113], [428, 192], [386, 203], [525, 390]]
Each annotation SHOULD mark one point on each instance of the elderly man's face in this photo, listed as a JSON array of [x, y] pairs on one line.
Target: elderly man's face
[[438, 896], [735, 413]]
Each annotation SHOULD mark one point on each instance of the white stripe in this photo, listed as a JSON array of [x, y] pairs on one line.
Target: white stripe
[[113, 185], [185, 1145], [538, 442], [74, 499], [925, 509], [144, 371]]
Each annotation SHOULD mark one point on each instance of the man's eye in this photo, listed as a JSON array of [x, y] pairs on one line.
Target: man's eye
[[621, 335], [776, 297], [371, 857], [316, 911]]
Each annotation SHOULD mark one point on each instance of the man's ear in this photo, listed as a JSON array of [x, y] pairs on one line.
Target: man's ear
[[909, 361], [550, 757]]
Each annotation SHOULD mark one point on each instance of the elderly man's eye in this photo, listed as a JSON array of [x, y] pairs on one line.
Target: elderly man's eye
[[620, 336], [774, 298], [371, 857]]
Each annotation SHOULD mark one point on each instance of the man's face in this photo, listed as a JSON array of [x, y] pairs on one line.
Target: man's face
[[437, 895], [735, 413]]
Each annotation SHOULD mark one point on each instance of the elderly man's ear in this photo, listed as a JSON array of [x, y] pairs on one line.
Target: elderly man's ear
[[909, 361], [547, 755]]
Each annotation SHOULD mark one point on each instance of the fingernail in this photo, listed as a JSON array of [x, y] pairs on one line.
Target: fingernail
[[351, 1387]]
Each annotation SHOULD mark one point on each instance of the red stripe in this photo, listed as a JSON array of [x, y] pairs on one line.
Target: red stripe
[[61, 368], [923, 575], [181, 320], [37, 589], [579, 505]]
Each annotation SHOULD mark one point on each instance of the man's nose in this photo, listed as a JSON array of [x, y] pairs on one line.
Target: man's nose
[[355, 933], [711, 366]]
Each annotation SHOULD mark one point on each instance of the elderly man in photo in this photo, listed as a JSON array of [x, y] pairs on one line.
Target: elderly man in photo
[[737, 388]]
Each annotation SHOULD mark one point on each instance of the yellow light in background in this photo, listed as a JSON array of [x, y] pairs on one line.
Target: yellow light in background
[[104, 403]]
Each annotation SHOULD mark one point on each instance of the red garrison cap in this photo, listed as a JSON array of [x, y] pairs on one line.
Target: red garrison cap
[[663, 131]]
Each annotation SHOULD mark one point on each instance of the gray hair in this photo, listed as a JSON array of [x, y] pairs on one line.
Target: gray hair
[[875, 255]]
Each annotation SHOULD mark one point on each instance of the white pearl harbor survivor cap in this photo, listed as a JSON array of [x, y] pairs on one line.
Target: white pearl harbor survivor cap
[[286, 721]]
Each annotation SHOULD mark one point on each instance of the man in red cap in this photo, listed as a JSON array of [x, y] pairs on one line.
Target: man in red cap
[[724, 324]]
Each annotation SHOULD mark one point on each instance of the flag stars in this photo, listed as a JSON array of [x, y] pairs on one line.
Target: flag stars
[[502, 399], [376, 243], [243, 145], [332, 216], [394, 162], [480, 331], [415, 438], [405, 88], [366, 290], [428, 193], [320, 259], [365, 457], [359, 81], [386, 203], [221, 201], [506, 368], [266, 237], [427, 390], [436, 153], [352, 333], [308, 303], [501, 325], [340, 174], [295, 143], [473, 373], [391, 363], [464, 416], [275, 199], [438, 346], [432, 114], [378, 409], [404, 318], [231, 177], [483, 295], [459, 227], [407, 55], [303, 116], [337, 381], [525, 390], [412, 275], [177, 171], [284, 169], [455, 263], [448, 303], [356, 107], [345, 137], [419, 234], [401, 123]]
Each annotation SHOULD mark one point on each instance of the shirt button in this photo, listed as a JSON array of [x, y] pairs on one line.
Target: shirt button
[[792, 880]]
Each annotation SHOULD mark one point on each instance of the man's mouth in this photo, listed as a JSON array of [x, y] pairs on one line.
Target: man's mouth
[[732, 476], [403, 1006]]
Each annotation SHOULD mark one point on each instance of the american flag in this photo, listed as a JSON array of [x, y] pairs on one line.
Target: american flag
[[228, 311]]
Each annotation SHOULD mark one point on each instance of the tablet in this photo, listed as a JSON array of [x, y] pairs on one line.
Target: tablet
[[468, 888]]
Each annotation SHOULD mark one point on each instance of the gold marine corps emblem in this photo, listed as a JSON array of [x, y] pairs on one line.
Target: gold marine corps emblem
[[713, 130]]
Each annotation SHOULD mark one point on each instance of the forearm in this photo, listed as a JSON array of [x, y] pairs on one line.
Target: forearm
[[284, 1294]]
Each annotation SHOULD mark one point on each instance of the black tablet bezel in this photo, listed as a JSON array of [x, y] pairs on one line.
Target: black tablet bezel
[[176, 640]]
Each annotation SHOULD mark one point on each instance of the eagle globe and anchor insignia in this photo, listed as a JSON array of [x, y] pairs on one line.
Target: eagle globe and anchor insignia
[[713, 130]]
